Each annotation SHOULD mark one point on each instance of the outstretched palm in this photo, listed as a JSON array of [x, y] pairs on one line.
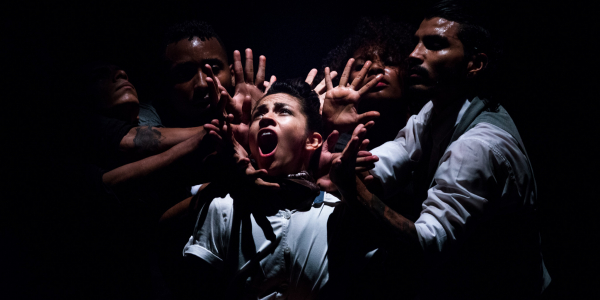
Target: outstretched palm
[[339, 107]]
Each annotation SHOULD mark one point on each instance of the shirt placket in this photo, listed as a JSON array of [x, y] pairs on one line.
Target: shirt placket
[[284, 263]]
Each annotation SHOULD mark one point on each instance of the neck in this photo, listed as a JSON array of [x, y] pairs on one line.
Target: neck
[[445, 99]]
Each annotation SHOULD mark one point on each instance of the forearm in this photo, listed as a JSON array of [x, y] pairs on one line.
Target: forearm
[[166, 163], [398, 225], [148, 140]]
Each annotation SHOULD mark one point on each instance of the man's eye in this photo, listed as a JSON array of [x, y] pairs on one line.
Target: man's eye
[[358, 67], [285, 111], [433, 46], [216, 69]]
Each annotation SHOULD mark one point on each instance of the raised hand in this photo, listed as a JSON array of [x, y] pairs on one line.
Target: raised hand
[[364, 160], [222, 131], [247, 89], [352, 160], [321, 88], [339, 106]]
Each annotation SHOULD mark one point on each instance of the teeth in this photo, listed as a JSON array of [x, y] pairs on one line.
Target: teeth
[[266, 133]]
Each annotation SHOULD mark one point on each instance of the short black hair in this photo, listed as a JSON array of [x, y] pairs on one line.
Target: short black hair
[[473, 32], [309, 100], [393, 38], [190, 29]]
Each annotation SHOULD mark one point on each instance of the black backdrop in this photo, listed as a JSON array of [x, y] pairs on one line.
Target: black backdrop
[[548, 51]]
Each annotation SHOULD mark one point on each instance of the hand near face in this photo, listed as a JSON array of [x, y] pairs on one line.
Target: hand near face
[[364, 160], [248, 91], [321, 88], [339, 107], [352, 160], [222, 132]]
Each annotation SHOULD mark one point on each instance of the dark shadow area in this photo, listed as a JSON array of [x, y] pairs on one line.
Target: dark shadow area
[[543, 85]]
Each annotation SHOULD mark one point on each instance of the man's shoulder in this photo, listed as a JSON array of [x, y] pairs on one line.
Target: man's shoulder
[[149, 116]]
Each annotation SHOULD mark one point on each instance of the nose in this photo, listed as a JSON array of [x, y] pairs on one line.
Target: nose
[[417, 56], [376, 68], [201, 82], [120, 74], [266, 121]]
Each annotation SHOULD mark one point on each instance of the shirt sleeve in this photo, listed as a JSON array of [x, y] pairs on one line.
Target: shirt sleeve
[[149, 116], [397, 158], [476, 177], [211, 235]]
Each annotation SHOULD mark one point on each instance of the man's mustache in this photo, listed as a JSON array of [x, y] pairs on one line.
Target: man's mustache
[[418, 70]]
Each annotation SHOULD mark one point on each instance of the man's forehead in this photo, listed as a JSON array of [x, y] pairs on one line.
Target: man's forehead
[[281, 98], [438, 26], [195, 50]]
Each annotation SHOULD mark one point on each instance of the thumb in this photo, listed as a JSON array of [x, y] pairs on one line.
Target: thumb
[[331, 141]]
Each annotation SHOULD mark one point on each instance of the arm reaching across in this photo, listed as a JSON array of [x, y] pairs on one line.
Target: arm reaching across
[[356, 194], [187, 159]]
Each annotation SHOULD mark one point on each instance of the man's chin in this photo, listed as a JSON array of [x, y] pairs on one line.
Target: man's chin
[[420, 90]]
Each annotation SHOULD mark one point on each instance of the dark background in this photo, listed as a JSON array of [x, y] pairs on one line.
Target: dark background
[[548, 53]]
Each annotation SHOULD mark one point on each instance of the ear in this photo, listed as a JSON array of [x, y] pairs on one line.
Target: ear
[[232, 74], [314, 141], [477, 63]]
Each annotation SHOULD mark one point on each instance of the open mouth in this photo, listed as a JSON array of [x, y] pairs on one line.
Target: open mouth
[[201, 102], [267, 142]]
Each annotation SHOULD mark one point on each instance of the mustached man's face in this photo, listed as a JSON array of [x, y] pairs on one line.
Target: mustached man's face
[[278, 135], [115, 95], [187, 78], [437, 62]]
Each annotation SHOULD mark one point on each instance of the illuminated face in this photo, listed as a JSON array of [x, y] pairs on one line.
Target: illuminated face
[[278, 135], [188, 89], [115, 95], [390, 86], [438, 61]]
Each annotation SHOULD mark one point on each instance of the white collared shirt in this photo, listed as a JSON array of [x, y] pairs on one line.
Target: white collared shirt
[[296, 269], [482, 174]]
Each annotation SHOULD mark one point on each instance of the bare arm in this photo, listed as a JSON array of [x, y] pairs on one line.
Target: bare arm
[[148, 140], [356, 194], [186, 160]]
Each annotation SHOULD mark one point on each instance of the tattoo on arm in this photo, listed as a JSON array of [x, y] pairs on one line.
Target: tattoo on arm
[[400, 225], [147, 139]]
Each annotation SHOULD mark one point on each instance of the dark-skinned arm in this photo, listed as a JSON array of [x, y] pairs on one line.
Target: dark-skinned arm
[[355, 193], [400, 226], [144, 141], [186, 161]]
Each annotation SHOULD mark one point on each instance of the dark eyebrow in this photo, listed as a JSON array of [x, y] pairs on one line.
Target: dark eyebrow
[[260, 107], [280, 105]]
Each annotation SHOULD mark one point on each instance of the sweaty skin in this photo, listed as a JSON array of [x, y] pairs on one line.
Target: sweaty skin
[[282, 115], [187, 75], [437, 62]]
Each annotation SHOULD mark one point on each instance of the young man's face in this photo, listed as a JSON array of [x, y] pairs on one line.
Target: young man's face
[[114, 94], [278, 135], [438, 61], [187, 78]]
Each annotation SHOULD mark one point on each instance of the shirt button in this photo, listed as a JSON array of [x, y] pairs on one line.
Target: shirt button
[[287, 250], [286, 215]]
